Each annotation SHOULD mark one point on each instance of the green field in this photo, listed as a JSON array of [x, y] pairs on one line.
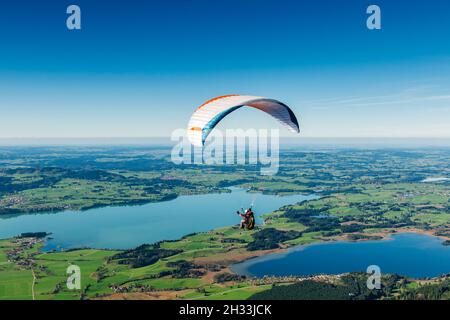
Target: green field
[[364, 193]]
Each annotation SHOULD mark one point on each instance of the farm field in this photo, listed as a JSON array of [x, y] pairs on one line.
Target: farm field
[[364, 195]]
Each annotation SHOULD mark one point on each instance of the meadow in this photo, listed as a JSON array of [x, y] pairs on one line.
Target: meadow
[[364, 194]]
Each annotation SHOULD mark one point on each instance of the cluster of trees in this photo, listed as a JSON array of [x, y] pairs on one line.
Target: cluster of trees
[[10, 185], [144, 255], [436, 291], [355, 237], [351, 228], [33, 235], [270, 238], [229, 183], [350, 287], [233, 240], [185, 269], [226, 276], [314, 219]]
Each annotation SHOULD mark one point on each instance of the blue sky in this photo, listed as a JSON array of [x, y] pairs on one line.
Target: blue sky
[[140, 68]]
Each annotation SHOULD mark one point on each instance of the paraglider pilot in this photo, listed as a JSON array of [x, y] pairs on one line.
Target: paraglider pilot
[[248, 219]]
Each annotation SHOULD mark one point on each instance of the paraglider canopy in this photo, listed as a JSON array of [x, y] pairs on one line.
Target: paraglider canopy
[[209, 114]]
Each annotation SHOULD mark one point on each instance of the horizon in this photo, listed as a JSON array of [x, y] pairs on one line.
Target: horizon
[[329, 142]]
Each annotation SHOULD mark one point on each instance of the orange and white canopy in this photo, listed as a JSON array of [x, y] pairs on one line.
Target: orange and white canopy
[[209, 114]]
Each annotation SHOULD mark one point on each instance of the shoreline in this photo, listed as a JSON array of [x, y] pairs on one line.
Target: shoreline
[[143, 202], [241, 257], [182, 234], [241, 254], [386, 236], [135, 203], [414, 230]]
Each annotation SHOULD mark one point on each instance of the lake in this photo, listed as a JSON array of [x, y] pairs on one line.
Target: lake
[[408, 254], [129, 226]]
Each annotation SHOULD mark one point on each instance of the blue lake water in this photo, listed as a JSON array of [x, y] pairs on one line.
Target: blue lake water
[[409, 254], [130, 226]]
